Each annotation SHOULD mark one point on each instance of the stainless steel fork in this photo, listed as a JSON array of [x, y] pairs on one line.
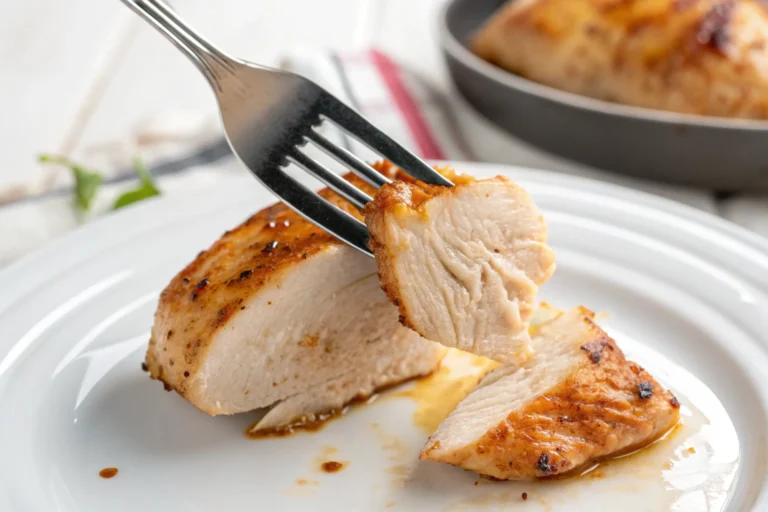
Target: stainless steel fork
[[270, 115]]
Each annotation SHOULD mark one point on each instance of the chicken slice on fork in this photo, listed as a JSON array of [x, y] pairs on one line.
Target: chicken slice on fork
[[464, 263]]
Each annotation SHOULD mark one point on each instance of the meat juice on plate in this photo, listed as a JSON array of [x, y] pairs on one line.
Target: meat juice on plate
[[692, 467]]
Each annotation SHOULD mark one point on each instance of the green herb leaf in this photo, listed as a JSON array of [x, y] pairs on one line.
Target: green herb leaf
[[145, 189], [86, 182]]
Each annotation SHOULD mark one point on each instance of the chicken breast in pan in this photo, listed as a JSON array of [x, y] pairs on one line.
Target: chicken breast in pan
[[279, 313], [706, 57], [575, 401], [464, 263]]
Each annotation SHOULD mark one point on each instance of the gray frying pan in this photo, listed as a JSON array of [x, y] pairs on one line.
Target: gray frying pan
[[708, 152]]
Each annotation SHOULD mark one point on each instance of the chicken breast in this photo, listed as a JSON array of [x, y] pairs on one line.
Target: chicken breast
[[411, 356], [706, 57], [575, 401], [279, 313], [464, 263]]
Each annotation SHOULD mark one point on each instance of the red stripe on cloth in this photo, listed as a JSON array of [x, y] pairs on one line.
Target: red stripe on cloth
[[406, 104]]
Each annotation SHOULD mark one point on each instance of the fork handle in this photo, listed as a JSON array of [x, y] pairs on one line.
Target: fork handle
[[208, 59]]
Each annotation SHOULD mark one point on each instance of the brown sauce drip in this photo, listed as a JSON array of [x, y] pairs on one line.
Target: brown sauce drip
[[332, 466], [108, 472], [312, 423]]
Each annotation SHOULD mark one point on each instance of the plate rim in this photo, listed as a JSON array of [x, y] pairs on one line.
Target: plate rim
[[104, 232]]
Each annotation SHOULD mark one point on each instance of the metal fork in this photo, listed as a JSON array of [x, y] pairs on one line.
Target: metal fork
[[270, 115]]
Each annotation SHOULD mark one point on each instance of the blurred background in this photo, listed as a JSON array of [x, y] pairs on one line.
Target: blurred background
[[89, 81]]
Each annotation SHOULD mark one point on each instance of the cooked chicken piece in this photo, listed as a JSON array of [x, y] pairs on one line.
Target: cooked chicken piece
[[707, 57], [279, 312], [575, 401], [412, 357], [463, 264]]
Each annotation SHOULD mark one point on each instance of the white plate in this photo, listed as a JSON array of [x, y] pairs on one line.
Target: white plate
[[687, 296]]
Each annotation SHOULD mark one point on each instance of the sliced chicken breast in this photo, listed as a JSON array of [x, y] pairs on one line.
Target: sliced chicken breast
[[575, 401], [278, 312], [464, 263], [411, 356]]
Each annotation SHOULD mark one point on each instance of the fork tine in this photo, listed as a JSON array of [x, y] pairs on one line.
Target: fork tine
[[356, 165], [265, 112], [335, 182], [316, 209], [362, 130]]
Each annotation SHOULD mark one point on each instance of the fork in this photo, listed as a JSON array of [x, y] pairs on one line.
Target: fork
[[270, 115]]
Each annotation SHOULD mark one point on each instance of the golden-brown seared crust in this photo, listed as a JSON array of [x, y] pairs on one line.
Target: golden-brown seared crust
[[409, 194], [707, 57], [221, 279], [581, 419], [200, 299], [384, 265], [400, 198]]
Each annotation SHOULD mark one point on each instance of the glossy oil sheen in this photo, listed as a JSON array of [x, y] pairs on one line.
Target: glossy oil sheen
[[692, 467]]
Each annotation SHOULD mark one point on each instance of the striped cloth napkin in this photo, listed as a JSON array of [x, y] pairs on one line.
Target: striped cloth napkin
[[189, 153]]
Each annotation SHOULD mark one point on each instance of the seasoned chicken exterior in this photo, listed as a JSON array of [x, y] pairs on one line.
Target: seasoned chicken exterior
[[279, 313], [575, 401], [706, 57], [464, 263]]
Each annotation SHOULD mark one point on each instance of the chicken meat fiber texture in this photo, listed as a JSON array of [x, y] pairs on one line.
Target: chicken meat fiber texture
[[277, 313], [463, 264]]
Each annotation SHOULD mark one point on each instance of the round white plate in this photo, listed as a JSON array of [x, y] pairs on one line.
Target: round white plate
[[687, 296]]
